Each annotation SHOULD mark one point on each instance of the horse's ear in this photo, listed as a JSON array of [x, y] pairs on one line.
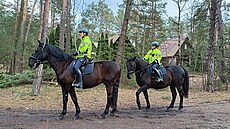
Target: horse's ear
[[40, 44], [39, 41], [134, 58]]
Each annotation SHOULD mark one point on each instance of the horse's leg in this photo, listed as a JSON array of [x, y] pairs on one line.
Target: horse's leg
[[109, 101], [174, 94], [74, 99], [141, 89], [145, 92], [181, 94], [65, 100], [115, 96]]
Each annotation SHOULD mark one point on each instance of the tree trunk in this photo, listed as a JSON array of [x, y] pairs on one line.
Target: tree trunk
[[42, 35], [45, 21], [123, 32], [22, 37], [62, 25], [38, 71], [211, 46], [137, 20], [180, 9], [220, 39], [15, 41], [68, 33], [53, 12], [30, 21], [153, 19]]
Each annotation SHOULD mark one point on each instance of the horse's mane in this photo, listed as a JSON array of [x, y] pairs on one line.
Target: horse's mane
[[58, 53], [142, 62]]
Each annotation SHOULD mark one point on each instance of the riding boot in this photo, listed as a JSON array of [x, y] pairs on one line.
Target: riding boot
[[79, 78], [158, 75]]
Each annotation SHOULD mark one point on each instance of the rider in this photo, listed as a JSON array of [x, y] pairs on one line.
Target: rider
[[83, 53], [154, 57]]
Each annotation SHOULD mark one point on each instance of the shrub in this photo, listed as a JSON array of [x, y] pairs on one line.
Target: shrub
[[7, 80]]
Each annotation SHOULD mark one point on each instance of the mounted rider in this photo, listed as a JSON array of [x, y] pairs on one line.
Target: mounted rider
[[154, 57], [83, 53]]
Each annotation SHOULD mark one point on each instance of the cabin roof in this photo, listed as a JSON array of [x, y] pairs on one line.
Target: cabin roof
[[170, 47]]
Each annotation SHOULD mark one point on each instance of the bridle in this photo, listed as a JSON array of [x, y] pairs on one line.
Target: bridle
[[40, 52], [131, 72]]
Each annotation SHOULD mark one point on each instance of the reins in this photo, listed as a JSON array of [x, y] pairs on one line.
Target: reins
[[131, 72]]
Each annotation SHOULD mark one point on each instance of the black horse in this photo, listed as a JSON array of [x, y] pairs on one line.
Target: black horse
[[106, 72], [176, 77]]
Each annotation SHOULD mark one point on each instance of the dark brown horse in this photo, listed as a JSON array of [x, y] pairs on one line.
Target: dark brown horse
[[176, 77], [106, 72]]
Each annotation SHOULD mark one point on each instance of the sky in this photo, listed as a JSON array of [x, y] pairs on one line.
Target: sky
[[171, 7], [113, 4]]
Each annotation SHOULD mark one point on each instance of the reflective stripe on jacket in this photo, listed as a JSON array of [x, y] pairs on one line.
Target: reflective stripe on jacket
[[85, 47], [152, 55]]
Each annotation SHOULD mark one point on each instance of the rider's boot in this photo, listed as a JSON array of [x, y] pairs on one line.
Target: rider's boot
[[159, 76], [78, 84]]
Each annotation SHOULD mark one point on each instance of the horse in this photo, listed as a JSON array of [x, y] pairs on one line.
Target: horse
[[104, 72], [176, 77]]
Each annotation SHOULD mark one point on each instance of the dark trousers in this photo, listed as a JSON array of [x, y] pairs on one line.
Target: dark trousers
[[78, 64]]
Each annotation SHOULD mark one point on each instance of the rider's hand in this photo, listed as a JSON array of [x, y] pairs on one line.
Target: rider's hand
[[85, 56], [75, 53]]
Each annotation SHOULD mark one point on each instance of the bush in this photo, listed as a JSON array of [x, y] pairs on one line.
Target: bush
[[7, 80], [48, 74]]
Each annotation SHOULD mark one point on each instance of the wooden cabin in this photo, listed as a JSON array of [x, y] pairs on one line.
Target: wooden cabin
[[170, 50]]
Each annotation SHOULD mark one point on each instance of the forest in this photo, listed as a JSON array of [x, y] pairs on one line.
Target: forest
[[206, 23]]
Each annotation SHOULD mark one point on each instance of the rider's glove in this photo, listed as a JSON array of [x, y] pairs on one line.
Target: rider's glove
[[75, 53], [85, 56]]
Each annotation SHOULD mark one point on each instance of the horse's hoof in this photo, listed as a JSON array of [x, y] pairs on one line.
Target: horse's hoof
[[77, 116], [139, 107], [168, 110], [61, 117], [179, 110], [146, 110], [112, 114], [102, 116]]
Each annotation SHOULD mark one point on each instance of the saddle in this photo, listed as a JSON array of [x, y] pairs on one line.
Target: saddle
[[86, 68], [161, 70]]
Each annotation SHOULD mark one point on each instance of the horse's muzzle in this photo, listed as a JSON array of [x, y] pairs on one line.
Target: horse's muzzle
[[128, 74], [33, 63]]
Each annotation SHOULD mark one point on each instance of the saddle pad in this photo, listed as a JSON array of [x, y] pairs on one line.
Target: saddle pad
[[70, 67], [162, 70], [86, 69]]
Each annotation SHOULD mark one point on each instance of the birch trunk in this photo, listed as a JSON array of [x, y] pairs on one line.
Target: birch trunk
[[211, 46], [44, 15]]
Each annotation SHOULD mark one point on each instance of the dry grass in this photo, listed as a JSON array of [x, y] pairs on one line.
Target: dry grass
[[95, 98]]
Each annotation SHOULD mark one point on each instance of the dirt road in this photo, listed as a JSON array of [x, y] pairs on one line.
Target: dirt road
[[20, 110]]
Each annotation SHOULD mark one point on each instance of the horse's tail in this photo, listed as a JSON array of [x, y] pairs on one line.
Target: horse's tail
[[115, 91], [186, 83]]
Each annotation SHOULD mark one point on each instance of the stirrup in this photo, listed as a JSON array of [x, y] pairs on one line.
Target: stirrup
[[78, 85], [159, 80]]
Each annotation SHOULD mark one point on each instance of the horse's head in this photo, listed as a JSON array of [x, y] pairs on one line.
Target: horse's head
[[38, 56], [131, 66]]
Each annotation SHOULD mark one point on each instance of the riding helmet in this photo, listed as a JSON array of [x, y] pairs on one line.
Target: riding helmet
[[155, 43], [85, 30]]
